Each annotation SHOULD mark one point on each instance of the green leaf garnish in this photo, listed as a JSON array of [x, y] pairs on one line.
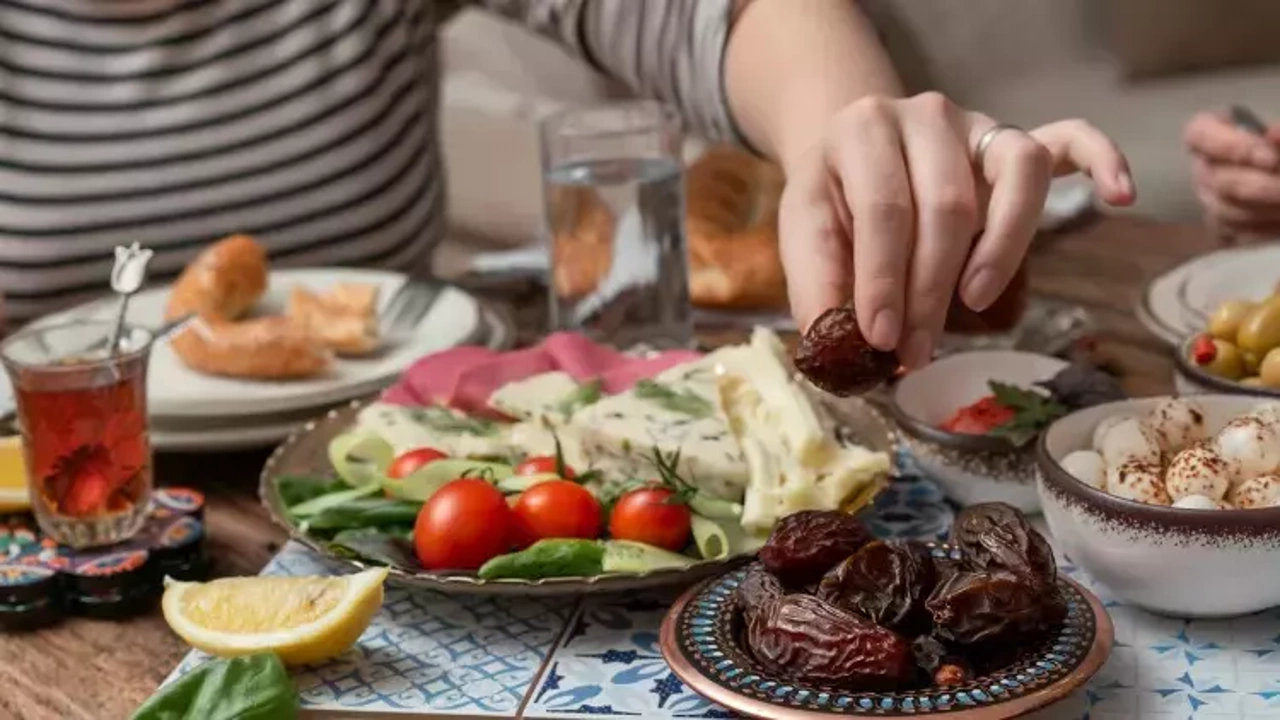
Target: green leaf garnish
[[1033, 412], [445, 420], [681, 401], [585, 394]]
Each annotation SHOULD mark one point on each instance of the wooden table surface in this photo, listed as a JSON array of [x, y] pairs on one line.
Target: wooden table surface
[[97, 670]]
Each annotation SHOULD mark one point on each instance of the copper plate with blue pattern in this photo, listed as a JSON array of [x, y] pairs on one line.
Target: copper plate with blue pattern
[[700, 644]]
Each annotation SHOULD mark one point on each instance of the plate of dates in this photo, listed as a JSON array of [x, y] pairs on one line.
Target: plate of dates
[[832, 621]]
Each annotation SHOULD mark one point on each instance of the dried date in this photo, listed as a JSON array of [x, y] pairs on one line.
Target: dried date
[[835, 356], [804, 638], [758, 587], [805, 545], [995, 536], [978, 608], [886, 582]]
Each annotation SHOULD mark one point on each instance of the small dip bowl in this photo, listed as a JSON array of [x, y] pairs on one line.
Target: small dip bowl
[[970, 468], [1190, 379], [1173, 561]]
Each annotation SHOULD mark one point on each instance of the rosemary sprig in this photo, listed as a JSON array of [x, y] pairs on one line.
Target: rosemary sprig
[[444, 420], [681, 401], [585, 394]]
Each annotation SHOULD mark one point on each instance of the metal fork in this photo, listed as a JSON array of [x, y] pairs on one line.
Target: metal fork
[[407, 306]]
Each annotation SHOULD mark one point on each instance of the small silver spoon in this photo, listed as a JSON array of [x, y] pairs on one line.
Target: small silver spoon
[[127, 278]]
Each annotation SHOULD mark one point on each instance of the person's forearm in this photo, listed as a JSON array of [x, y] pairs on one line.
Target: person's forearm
[[791, 64]]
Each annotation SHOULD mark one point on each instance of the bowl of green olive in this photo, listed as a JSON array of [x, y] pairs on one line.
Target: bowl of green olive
[[1238, 352]]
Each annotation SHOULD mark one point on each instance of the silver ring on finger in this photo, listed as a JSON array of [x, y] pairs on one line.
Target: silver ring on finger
[[985, 139]]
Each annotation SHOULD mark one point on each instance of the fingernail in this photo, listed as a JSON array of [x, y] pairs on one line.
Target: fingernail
[[885, 327], [981, 289], [918, 350], [1125, 183], [1265, 156]]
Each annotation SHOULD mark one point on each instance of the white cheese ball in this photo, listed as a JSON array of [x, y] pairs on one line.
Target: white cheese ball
[[1200, 502], [1198, 470], [1177, 423], [1137, 480], [1251, 446], [1088, 467], [1129, 439], [1103, 427], [1257, 492]]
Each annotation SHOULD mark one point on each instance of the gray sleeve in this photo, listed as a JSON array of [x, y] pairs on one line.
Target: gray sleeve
[[671, 50]]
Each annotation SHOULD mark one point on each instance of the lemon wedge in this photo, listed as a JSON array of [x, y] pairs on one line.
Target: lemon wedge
[[300, 619], [13, 476]]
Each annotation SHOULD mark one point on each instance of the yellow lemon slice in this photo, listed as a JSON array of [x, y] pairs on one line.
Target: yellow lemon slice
[[301, 619], [13, 476]]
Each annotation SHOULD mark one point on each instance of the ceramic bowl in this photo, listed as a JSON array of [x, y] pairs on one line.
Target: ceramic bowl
[[1185, 563], [970, 468], [1192, 380]]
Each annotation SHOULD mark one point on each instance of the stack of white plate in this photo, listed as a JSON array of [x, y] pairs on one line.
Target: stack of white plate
[[191, 411], [1179, 302]]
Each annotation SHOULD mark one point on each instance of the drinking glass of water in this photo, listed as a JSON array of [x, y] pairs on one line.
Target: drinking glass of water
[[613, 183]]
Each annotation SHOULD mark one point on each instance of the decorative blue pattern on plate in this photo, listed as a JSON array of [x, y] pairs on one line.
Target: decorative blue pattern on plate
[[426, 652]]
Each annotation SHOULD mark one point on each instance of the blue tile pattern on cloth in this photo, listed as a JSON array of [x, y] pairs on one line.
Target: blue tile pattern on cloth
[[428, 653], [435, 656]]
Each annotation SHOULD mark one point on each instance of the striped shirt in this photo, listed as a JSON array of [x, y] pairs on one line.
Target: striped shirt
[[308, 123]]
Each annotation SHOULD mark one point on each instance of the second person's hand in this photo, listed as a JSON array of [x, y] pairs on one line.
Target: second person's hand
[[895, 208]]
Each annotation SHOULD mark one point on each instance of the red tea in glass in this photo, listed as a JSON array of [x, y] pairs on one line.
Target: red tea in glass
[[1003, 315], [83, 417]]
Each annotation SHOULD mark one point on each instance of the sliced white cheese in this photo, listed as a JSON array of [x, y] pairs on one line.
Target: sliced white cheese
[[618, 435], [534, 397], [455, 434]]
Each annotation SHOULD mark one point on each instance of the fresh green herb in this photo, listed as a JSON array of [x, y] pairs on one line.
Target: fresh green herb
[[681, 401], [368, 512], [560, 557], [296, 489], [375, 546], [253, 687], [585, 394], [317, 505], [445, 420], [1033, 412]]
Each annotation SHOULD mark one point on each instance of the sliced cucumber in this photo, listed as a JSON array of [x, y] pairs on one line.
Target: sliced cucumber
[[520, 483], [718, 538], [630, 556], [422, 483], [714, 508], [360, 457]]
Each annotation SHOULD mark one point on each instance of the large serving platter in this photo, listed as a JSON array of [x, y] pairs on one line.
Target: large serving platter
[[1178, 303], [700, 641], [304, 454]]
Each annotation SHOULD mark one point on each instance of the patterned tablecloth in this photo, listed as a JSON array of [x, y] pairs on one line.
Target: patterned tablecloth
[[431, 655]]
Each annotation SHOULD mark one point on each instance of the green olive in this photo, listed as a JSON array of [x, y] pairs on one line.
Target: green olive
[[1252, 361], [1269, 371], [1225, 321], [1226, 362], [1252, 381], [1260, 329]]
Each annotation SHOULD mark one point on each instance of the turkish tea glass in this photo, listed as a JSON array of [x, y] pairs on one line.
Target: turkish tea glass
[[82, 413], [613, 185]]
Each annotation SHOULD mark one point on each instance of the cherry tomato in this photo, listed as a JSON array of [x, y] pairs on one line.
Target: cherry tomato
[[544, 465], [556, 509], [646, 515], [410, 461], [462, 526]]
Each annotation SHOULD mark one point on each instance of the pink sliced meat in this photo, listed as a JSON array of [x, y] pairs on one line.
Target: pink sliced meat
[[580, 357], [476, 383], [433, 378], [621, 378]]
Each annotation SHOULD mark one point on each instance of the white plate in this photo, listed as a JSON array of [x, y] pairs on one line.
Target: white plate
[[185, 435], [1179, 302], [176, 391]]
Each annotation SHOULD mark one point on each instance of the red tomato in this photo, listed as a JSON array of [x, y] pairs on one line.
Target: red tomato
[[979, 418], [462, 526], [544, 465], [556, 509], [409, 462], [646, 515]]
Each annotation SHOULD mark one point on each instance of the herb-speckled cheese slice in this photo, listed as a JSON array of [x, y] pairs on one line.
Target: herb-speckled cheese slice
[[455, 434], [618, 435], [535, 397]]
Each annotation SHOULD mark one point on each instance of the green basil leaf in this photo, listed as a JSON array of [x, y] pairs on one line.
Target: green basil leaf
[[253, 687], [376, 546], [296, 489]]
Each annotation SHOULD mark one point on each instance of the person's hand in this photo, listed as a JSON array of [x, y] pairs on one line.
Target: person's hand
[[1235, 173], [892, 209]]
